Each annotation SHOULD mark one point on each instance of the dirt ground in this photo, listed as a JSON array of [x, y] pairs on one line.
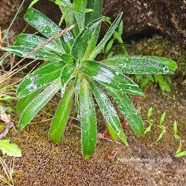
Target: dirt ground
[[144, 162]]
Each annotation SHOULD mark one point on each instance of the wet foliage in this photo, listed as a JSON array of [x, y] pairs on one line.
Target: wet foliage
[[71, 68]]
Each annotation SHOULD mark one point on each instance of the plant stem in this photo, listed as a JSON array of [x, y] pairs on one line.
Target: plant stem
[[6, 34]]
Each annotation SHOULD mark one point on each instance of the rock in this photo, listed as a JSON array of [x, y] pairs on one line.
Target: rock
[[140, 17], [144, 17]]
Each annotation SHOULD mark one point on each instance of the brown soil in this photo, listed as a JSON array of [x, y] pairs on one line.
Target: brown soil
[[144, 162]]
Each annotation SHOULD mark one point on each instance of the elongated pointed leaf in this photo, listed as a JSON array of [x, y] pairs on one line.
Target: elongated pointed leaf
[[77, 92], [38, 103], [68, 16], [41, 23], [68, 59], [141, 64], [33, 3], [164, 85], [88, 120], [181, 154], [80, 5], [129, 112], [107, 36], [108, 111], [26, 43], [23, 102], [41, 54], [65, 3], [61, 115], [96, 6], [39, 78], [112, 132], [84, 38], [66, 74], [77, 5], [32, 41], [47, 27], [109, 77]]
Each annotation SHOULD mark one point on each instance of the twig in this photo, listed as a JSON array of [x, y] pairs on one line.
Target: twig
[[14, 18]]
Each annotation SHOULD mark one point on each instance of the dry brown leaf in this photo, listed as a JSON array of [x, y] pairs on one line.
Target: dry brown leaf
[[4, 116]]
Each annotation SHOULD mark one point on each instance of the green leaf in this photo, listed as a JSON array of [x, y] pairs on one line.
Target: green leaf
[[141, 64], [161, 135], [83, 40], [118, 37], [149, 113], [23, 102], [108, 111], [33, 3], [77, 5], [38, 103], [147, 80], [162, 118], [148, 129], [61, 115], [80, 6], [109, 46], [164, 85], [32, 41], [26, 43], [10, 149], [65, 3], [66, 74], [68, 16], [112, 132], [88, 120], [180, 154], [77, 92], [39, 78], [175, 127], [41, 54], [106, 37], [109, 77], [68, 59], [179, 148], [128, 111], [5, 97], [120, 28], [96, 6], [47, 27], [41, 23]]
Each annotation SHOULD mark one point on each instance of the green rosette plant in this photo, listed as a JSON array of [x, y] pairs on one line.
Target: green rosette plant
[[71, 68]]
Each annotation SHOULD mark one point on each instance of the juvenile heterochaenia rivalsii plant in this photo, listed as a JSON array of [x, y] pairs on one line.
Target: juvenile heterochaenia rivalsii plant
[[72, 69]]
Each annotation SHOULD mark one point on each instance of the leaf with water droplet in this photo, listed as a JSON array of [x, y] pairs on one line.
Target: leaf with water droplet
[[108, 76], [38, 103], [40, 78], [47, 27], [82, 45], [88, 120], [106, 37], [108, 110], [61, 115], [129, 112], [141, 64], [66, 74]]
